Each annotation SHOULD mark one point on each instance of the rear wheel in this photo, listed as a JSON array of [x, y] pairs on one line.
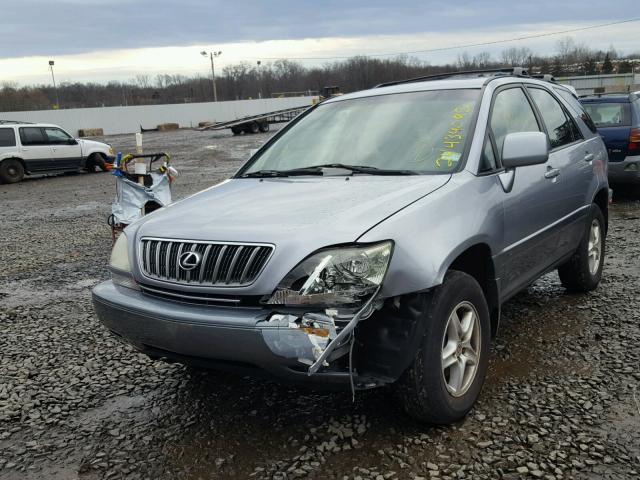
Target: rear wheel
[[583, 271], [236, 130], [264, 127], [11, 171], [253, 127], [448, 371]]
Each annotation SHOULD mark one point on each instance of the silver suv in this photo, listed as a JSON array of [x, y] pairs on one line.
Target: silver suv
[[373, 240]]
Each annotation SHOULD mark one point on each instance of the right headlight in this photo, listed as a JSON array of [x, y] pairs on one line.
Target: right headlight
[[120, 266], [341, 276]]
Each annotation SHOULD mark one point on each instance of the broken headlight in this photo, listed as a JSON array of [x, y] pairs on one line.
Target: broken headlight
[[341, 276]]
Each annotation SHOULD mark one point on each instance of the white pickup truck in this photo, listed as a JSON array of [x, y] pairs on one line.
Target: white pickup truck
[[34, 148]]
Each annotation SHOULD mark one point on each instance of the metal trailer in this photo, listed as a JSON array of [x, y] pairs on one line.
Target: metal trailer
[[258, 123]]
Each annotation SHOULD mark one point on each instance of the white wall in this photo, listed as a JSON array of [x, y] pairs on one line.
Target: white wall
[[114, 120]]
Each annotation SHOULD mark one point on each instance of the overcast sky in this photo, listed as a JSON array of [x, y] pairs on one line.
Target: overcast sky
[[101, 40]]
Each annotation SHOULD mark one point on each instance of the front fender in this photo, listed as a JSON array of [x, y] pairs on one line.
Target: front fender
[[432, 232]]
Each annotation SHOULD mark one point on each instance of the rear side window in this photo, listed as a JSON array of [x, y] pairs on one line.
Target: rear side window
[[511, 113], [32, 136], [609, 114], [560, 128], [7, 137], [578, 108]]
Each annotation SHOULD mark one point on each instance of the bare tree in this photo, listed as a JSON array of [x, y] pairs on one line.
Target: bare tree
[[247, 80], [515, 56]]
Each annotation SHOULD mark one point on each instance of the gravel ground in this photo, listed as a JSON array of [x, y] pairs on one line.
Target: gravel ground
[[560, 399]]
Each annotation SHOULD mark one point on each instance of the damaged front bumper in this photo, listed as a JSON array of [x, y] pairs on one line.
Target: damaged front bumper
[[315, 339], [303, 347]]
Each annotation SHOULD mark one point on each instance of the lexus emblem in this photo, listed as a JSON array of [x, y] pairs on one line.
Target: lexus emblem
[[189, 260]]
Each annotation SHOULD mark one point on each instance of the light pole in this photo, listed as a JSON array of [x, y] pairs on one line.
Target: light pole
[[258, 63], [51, 63], [213, 72]]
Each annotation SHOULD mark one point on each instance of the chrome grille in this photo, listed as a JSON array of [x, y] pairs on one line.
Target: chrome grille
[[221, 264]]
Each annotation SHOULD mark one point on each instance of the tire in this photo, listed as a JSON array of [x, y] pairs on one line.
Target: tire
[[253, 127], [424, 389], [236, 130], [583, 271], [264, 127], [95, 160], [11, 171]]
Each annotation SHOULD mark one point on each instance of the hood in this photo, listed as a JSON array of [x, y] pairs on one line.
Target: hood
[[251, 210], [298, 215], [92, 143]]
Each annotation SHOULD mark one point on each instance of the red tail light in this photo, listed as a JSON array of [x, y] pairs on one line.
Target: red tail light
[[634, 139]]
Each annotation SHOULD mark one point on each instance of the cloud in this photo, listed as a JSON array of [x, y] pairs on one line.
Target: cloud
[[100, 40], [125, 64], [76, 26]]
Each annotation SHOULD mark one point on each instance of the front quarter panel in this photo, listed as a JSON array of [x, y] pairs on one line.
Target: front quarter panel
[[431, 233], [90, 146]]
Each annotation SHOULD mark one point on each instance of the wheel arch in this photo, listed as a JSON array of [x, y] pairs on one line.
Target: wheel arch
[[477, 261], [21, 160], [601, 199]]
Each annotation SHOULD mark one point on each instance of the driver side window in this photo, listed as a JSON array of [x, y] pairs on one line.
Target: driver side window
[[56, 136], [511, 113]]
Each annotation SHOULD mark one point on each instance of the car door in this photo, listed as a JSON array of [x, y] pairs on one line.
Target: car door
[[35, 149], [571, 158], [530, 200], [66, 153]]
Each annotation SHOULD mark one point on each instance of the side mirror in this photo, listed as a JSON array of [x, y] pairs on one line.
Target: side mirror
[[72, 141], [525, 148]]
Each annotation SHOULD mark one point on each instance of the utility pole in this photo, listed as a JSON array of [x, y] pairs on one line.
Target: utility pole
[[258, 63], [55, 88], [213, 72]]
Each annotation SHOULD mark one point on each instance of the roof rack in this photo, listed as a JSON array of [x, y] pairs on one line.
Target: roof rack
[[4, 122], [547, 77], [604, 94], [494, 72]]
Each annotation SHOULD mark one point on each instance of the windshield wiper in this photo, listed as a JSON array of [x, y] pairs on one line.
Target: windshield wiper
[[318, 170], [282, 173], [366, 169]]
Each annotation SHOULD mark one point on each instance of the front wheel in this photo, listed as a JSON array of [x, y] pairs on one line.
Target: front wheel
[[583, 271], [96, 160], [449, 368]]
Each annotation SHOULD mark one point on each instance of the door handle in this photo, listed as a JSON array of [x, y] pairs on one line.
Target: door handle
[[589, 157], [551, 172]]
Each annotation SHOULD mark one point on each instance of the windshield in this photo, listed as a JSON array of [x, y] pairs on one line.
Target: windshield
[[424, 132]]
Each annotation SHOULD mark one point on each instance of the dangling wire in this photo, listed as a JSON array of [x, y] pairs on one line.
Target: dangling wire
[[353, 388]]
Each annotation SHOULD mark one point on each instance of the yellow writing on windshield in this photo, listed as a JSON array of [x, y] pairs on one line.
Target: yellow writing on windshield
[[453, 139]]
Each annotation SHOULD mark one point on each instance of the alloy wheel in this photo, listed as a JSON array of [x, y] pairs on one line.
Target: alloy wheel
[[461, 346], [594, 251]]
